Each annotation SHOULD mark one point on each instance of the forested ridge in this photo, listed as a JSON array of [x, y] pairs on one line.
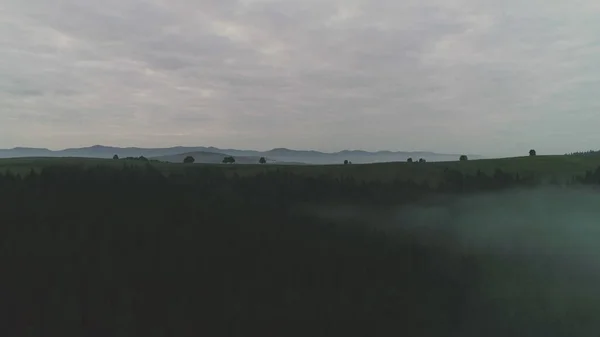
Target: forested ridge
[[130, 251]]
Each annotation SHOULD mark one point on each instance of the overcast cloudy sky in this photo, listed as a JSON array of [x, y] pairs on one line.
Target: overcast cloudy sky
[[471, 76]]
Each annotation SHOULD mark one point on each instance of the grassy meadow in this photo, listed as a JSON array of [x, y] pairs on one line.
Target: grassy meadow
[[559, 167]]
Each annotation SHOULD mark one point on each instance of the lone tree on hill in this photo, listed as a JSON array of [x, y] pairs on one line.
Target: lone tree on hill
[[532, 153], [262, 160], [345, 162], [464, 158], [228, 160], [115, 157], [189, 160], [409, 160]]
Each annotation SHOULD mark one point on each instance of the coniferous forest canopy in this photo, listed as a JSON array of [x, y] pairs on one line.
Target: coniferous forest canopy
[[132, 251]]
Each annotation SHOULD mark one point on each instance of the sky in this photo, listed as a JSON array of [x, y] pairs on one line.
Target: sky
[[486, 77]]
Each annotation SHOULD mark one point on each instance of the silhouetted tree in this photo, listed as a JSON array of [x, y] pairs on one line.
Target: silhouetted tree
[[115, 157], [464, 158], [421, 160], [532, 152], [345, 162], [228, 160], [189, 160], [262, 160], [409, 160]]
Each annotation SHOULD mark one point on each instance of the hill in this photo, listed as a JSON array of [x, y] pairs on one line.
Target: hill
[[200, 157], [561, 168], [210, 158], [276, 155]]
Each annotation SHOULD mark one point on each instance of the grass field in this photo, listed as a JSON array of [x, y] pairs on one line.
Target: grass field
[[543, 167]]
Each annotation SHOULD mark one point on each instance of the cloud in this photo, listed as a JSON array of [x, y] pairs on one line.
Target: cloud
[[463, 75]]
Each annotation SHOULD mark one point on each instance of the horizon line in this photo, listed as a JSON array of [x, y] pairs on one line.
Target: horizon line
[[219, 148]]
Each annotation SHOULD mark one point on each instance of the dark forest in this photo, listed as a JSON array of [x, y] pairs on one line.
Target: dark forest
[[131, 252]]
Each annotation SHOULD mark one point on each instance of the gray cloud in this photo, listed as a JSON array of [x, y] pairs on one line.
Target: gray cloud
[[469, 76]]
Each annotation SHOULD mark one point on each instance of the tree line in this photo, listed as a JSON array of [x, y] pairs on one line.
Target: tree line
[[263, 160], [226, 160], [584, 153]]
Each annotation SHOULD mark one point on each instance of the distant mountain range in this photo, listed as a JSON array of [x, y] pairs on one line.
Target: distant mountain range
[[215, 155]]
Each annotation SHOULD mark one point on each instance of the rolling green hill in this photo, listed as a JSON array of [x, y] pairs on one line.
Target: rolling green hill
[[542, 167], [216, 158]]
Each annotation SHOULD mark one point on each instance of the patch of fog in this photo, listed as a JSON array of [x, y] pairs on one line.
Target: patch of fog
[[538, 252], [525, 222], [540, 221]]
